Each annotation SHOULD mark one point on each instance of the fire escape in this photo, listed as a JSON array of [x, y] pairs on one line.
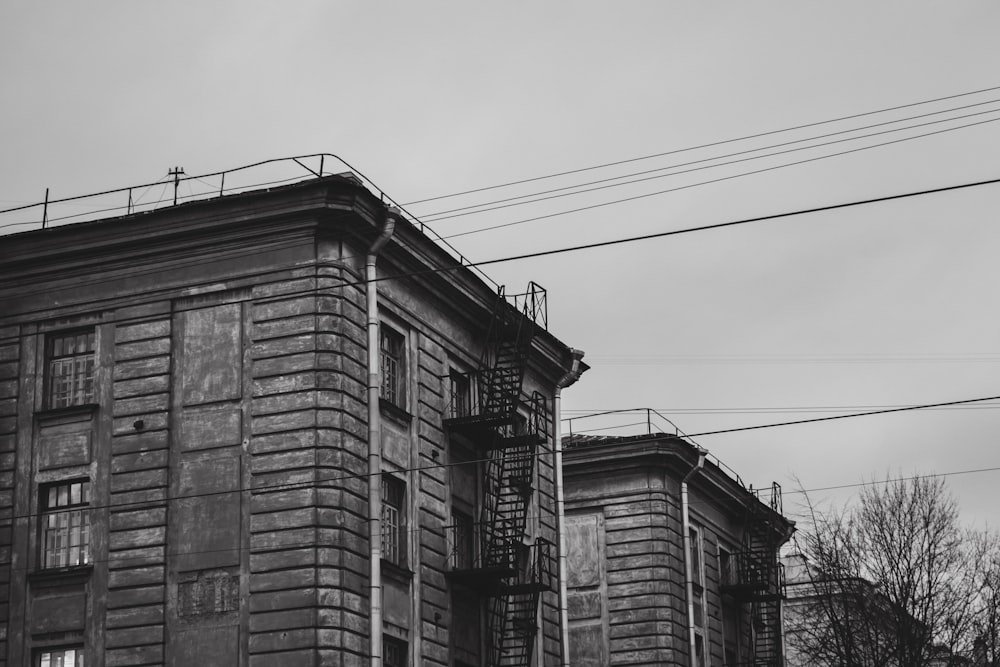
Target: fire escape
[[755, 577], [493, 555]]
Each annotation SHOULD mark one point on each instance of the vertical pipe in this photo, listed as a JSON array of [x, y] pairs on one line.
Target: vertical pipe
[[688, 573], [45, 209], [566, 380], [375, 445]]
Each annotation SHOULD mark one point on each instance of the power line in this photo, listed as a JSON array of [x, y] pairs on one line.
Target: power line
[[290, 486], [708, 145], [418, 529], [847, 416], [512, 201], [580, 414], [734, 223], [899, 479], [714, 180], [630, 239]]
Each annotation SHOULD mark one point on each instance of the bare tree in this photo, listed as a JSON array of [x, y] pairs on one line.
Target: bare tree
[[892, 581]]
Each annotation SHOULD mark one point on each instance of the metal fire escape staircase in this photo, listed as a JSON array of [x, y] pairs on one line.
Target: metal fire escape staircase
[[508, 426], [756, 578]]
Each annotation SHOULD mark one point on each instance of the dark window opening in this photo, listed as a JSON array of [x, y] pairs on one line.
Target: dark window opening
[[393, 520], [392, 365]]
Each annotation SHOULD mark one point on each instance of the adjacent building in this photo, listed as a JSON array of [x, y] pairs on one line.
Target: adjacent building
[[671, 560], [280, 427]]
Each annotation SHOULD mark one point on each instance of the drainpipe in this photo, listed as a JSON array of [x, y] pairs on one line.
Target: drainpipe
[[688, 574], [566, 380], [375, 441]]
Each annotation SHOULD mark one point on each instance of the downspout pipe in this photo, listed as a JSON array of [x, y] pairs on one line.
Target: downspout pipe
[[566, 380], [688, 565], [375, 440]]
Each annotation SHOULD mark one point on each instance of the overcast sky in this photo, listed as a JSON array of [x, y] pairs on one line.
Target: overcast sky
[[887, 304]]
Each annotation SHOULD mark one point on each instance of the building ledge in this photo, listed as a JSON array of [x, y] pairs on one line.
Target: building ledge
[[394, 412], [84, 409], [60, 576]]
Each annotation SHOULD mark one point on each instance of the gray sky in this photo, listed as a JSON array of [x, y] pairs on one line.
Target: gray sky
[[883, 305]]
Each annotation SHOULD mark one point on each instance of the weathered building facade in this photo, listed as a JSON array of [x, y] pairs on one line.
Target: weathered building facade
[[671, 560], [207, 410]]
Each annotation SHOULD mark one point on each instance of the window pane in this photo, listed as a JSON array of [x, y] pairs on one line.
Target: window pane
[[393, 652], [65, 539], [391, 365], [392, 520], [70, 367], [65, 657]]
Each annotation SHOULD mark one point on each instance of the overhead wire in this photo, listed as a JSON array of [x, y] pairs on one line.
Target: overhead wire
[[634, 239], [319, 484], [512, 201], [708, 182], [258, 489], [706, 145]]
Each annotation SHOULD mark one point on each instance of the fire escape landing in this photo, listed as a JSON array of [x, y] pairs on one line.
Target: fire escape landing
[[493, 555], [756, 577]]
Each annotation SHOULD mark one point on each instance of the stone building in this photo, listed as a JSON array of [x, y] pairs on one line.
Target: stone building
[[206, 410], [671, 560]]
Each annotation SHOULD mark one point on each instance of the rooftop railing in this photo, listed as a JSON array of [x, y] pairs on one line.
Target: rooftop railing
[[178, 188]]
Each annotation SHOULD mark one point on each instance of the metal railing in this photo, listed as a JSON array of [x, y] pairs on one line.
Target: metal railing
[[473, 546], [480, 547], [169, 191], [533, 303], [651, 423], [756, 576]]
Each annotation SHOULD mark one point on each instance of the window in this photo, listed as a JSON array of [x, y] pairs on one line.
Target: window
[[60, 657], [69, 367], [696, 568], [393, 652], [65, 525], [727, 574], [392, 364], [464, 549], [460, 394], [393, 520], [697, 577]]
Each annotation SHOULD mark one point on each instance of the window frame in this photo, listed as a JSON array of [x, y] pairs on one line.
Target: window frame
[[391, 642], [39, 654], [459, 394], [463, 556], [697, 556], [392, 365], [75, 395], [393, 520], [50, 556]]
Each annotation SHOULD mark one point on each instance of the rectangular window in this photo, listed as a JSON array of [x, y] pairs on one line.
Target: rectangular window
[[464, 549], [59, 657], [699, 650], [727, 573], [393, 652], [65, 524], [460, 394], [392, 364], [69, 369], [697, 577], [393, 520]]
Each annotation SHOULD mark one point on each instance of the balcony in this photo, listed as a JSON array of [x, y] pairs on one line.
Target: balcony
[[492, 560], [751, 577]]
